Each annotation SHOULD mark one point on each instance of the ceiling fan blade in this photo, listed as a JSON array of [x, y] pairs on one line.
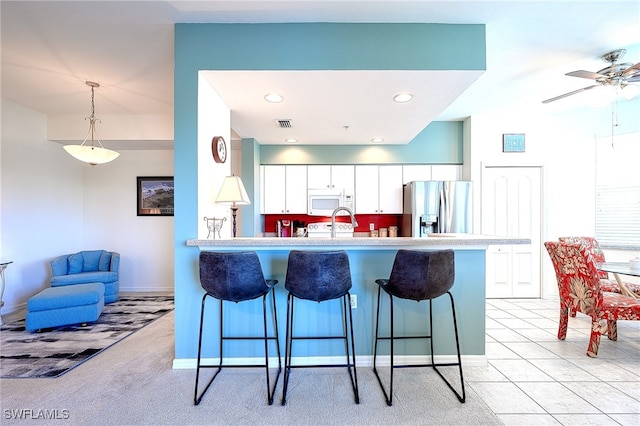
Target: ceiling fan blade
[[632, 70], [633, 78], [570, 93], [585, 74]]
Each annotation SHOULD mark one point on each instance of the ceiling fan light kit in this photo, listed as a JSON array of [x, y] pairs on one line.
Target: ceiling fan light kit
[[91, 154], [619, 76]]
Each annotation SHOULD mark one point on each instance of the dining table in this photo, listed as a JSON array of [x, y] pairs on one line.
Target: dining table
[[620, 268]]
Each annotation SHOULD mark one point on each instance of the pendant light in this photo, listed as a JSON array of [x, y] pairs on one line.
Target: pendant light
[[92, 153]]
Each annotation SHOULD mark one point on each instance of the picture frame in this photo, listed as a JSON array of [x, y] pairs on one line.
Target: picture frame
[[513, 142], [154, 195]]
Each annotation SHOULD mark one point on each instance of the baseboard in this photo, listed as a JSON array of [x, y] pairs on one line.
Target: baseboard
[[361, 361], [14, 313], [160, 289]]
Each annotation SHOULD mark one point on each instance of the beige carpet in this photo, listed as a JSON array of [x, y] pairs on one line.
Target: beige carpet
[[132, 383]]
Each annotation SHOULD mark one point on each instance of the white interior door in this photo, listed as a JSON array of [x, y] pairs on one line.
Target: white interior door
[[511, 207]]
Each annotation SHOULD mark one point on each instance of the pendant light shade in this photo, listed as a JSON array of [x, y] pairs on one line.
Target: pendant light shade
[[91, 153]]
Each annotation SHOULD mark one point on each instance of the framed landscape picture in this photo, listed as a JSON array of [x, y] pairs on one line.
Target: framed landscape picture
[[155, 195]]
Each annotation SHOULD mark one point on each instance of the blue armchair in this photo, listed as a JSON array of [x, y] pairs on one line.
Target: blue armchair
[[88, 267]]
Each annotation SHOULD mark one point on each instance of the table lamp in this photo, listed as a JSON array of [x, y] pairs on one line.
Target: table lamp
[[233, 192]]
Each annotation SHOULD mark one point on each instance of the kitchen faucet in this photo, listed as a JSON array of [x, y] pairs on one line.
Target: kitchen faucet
[[354, 222]]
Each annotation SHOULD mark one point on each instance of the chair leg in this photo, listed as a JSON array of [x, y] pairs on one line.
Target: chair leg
[[564, 321], [612, 329], [346, 308], [270, 391], [196, 398], [594, 340], [287, 348], [387, 396], [461, 398]]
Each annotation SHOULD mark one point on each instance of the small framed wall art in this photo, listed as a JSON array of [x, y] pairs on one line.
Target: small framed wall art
[[513, 142], [155, 195]]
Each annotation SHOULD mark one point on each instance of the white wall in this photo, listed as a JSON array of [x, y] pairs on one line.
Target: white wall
[[145, 243], [214, 119], [563, 144], [52, 204], [41, 202]]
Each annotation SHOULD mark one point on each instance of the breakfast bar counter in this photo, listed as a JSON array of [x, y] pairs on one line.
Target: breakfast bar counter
[[370, 258], [371, 243]]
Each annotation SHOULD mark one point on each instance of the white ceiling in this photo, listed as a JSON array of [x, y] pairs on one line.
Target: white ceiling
[[49, 49]]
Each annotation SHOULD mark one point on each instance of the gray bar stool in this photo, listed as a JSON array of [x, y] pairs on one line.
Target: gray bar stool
[[236, 277], [319, 276], [418, 275]]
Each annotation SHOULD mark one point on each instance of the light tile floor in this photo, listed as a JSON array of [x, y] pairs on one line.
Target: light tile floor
[[535, 379]]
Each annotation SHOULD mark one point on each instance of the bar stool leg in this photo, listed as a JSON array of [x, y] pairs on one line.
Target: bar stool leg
[[196, 398], [461, 397], [387, 396], [270, 391], [287, 348], [354, 377]]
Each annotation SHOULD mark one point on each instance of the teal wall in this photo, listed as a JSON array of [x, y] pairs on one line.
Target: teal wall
[[312, 46], [439, 143], [325, 318]]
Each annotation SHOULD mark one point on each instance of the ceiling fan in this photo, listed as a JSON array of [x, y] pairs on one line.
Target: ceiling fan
[[615, 75]]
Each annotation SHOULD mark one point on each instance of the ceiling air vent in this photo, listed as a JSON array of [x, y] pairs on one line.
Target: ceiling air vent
[[284, 123]]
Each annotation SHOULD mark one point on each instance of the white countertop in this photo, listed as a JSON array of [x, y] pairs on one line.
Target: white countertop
[[460, 241]]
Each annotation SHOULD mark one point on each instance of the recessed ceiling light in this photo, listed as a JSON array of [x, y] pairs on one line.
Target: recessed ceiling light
[[291, 140], [403, 97], [377, 140], [273, 97]]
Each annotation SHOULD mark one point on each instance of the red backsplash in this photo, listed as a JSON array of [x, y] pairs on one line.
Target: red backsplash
[[378, 220]]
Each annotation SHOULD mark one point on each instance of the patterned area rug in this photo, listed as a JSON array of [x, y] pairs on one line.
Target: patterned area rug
[[53, 352]]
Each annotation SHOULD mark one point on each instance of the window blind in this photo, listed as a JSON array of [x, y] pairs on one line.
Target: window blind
[[617, 200]]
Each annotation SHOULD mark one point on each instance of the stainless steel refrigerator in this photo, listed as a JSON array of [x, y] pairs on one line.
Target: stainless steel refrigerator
[[437, 207]]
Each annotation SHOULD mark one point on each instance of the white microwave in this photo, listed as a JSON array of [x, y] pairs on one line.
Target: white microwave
[[322, 202]]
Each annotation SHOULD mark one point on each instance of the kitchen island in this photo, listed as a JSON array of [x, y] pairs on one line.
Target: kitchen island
[[370, 259]]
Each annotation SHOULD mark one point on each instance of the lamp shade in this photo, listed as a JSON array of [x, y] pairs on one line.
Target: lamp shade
[[91, 154], [232, 191]]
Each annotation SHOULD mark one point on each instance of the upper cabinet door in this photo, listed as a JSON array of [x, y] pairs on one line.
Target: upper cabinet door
[[274, 197], [378, 189], [366, 191], [296, 190], [284, 189], [446, 172], [343, 177], [390, 189], [319, 177], [331, 177], [415, 172]]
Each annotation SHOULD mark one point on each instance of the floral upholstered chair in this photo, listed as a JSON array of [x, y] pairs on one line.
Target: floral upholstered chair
[[579, 288], [606, 284]]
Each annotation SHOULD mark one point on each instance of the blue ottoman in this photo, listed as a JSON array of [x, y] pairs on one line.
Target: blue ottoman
[[71, 304]]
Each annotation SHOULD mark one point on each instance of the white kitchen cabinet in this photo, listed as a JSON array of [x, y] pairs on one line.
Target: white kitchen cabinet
[[419, 172], [415, 172], [318, 176], [331, 177], [446, 172], [284, 189], [378, 189]]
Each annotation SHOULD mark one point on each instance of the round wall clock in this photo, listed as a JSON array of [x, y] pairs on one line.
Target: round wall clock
[[219, 149]]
